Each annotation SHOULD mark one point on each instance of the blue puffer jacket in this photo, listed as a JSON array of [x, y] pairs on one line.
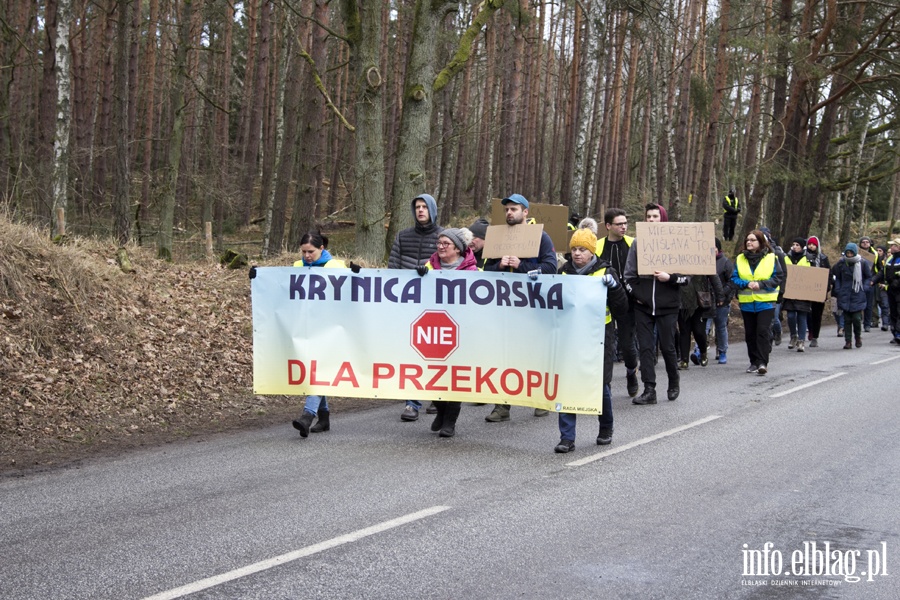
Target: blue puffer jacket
[[847, 299]]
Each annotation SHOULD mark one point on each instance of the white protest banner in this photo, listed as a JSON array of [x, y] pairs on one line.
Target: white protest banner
[[554, 218], [682, 248], [522, 240], [450, 335], [806, 283]]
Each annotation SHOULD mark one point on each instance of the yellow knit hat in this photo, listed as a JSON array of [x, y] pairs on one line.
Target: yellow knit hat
[[585, 239]]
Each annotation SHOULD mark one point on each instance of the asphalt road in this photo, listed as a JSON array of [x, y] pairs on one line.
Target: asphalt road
[[681, 505]]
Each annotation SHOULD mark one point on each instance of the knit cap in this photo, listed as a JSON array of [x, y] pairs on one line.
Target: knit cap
[[813, 240], [479, 228], [458, 237], [584, 238], [851, 247]]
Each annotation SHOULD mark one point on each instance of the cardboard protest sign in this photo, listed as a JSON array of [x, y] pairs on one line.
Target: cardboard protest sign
[[682, 248], [869, 256], [523, 241], [806, 283], [554, 218]]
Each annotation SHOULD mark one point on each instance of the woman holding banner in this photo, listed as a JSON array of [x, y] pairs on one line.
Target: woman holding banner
[[583, 244], [797, 310], [453, 253], [757, 277], [314, 254]]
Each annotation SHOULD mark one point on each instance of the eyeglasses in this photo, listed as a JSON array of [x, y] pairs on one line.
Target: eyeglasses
[[752, 240], [624, 224], [444, 244]]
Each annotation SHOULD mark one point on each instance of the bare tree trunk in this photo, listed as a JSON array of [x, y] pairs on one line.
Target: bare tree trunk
[[623, 170], [122, 204], [252, 143], [62, 53], [150, 108], [179, 82]]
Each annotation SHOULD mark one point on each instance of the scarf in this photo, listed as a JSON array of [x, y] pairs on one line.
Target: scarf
[[451, 266], [856, 265], [753, 258], [586, 267], [796, 256]]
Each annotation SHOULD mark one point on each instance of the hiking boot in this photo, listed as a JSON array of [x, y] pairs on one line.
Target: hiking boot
[[703, 359], [564, 446], [793, 343], [409, 414], [800, 346], [500, 413], [631, 382], [541, 412], [302, 424], [847, 345], [814, 343], [448, 430], [723, 358], [438, 422], [672, 393], [604, 437], [858, 342], [648, 397], [431, 410], [762, 369], [323, 424]]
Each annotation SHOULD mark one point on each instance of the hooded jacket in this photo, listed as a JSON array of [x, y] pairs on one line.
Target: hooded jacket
[[415, 245], [651, 295], [847, 299]]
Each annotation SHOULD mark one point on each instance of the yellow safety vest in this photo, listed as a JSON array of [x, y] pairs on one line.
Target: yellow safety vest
[[764, 270], [732, 202], [601, 243]]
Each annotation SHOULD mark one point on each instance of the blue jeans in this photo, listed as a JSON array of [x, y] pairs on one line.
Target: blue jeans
[[312, 404], [415, 404], [797, 323], [776, 321], [567, 420], [721, 322]]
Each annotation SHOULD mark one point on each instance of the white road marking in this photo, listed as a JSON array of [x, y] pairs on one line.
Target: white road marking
[[641, 442], [291, 556], [878, 362], [806, 385]]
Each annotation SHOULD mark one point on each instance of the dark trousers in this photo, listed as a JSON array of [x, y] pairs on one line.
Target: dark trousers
[[757, 329], [687, 325], [665, 326], [728, 223], [894, 307], [852, 324], [448, 411], [815, 319], [870, 306], [625, 339]]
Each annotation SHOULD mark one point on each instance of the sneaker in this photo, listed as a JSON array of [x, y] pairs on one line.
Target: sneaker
[[777, 338], [703, 359], [840, 332], [800, 347], [695, 356], [500, 413], [723, 358], [541, 412], [867, 329], [752, 369], [793, 343], [409, 414], [631, 381], [431, 410], [648, 397], [604, 437], [683, 365], [814, 343], [884, 327], [564, 446], [762, 370]]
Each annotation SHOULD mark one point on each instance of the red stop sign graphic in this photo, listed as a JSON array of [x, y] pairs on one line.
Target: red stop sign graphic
[[434, 335]]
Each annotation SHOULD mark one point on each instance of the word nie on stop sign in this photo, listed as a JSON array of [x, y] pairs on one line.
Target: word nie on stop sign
[[434, 335]]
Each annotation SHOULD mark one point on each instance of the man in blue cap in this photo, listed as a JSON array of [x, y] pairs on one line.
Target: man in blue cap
[[516, 207]]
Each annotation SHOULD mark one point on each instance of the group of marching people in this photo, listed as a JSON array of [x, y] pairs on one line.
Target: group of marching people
[[648, 315]]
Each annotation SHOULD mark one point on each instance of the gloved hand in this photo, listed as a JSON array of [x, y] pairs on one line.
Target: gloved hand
[[354, 267], [421, 270], [609, 281], [532, 275], [253, 272]]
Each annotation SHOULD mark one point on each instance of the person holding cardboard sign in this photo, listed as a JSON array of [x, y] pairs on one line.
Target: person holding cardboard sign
[[657, 300], [516, 207], [797, 310]]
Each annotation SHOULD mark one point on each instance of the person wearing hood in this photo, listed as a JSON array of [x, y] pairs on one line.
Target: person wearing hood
[[584, 261], [882, 302], [889, 278], [412, 249], [758, 277], [816, 259], [852, 275], [797, 310], [865, 243], [314, 254], [453, 253]]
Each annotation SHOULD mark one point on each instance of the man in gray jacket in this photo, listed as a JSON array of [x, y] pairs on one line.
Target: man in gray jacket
[[411, 250]]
